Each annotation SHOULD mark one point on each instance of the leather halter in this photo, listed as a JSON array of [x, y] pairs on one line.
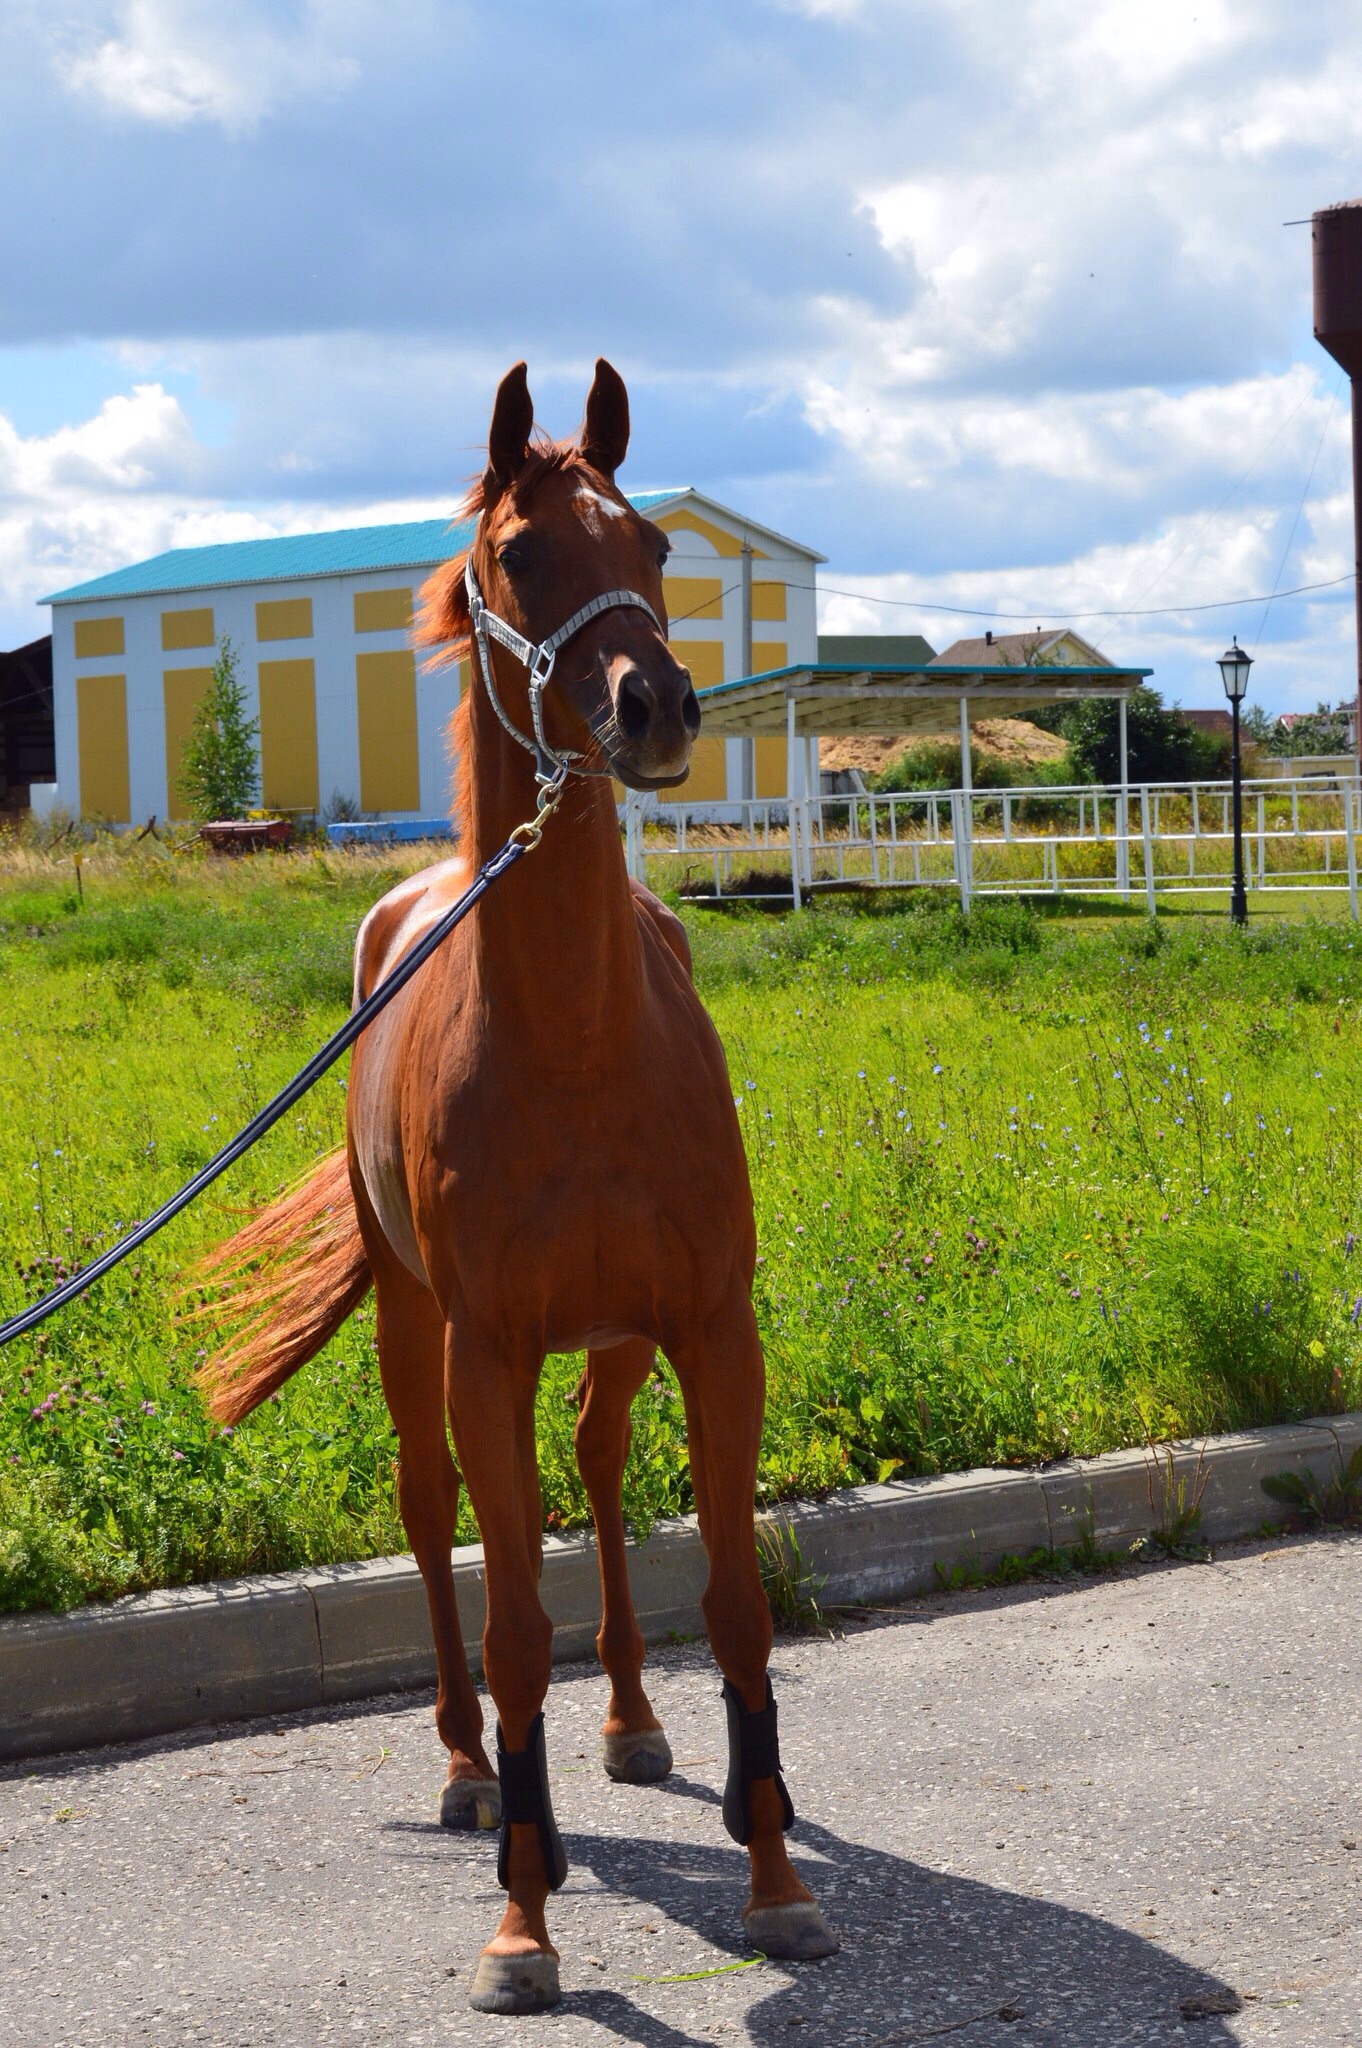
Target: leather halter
[[552, 765]]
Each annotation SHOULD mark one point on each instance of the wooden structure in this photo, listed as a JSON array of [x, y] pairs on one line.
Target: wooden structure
[[938, 698]]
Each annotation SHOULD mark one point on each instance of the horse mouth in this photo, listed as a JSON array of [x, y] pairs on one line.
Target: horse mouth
[[633, 778]]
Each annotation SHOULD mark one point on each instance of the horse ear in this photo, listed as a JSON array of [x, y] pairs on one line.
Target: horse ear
[[508, 437], [604, 438]]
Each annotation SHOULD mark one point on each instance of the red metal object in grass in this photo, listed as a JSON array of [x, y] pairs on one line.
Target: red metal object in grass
[[245, 835]]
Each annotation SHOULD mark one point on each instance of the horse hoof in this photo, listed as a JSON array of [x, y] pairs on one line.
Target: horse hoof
[[790, 1934], [639, 1759], [468, 1803], [515, 1984]]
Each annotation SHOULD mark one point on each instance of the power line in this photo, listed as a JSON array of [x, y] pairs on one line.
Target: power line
[[1290, 538], [1038, 612]]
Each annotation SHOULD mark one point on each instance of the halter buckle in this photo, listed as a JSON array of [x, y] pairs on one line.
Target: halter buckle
[[541, 667]]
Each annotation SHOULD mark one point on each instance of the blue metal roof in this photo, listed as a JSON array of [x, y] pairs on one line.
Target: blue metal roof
[[291, 557], [891, 672]]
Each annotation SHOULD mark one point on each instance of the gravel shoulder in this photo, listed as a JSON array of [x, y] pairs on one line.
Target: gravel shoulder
[[1072, 1815]]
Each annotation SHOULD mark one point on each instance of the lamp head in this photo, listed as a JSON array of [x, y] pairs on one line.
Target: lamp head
[[1234, 668]]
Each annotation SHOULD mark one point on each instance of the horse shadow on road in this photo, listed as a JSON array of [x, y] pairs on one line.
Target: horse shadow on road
[[925, 1957]]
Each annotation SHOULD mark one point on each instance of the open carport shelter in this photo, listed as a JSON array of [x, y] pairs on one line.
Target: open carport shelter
[[823, 700]]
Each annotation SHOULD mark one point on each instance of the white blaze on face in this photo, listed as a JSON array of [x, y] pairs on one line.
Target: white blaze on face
[[594, 504]]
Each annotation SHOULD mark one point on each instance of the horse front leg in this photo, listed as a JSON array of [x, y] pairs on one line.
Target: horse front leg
[[410, 1336], [723, 1383], [634, 1749], [491, 1406]]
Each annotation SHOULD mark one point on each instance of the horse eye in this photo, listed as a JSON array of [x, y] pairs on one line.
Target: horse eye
[[662, 554], [512, 558]]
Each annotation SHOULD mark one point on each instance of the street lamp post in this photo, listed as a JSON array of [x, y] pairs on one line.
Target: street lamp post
[[1234, 668]]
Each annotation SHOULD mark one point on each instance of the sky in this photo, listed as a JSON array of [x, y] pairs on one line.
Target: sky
[[989, 301]]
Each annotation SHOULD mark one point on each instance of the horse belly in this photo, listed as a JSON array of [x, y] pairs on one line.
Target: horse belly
[[376, 1139]]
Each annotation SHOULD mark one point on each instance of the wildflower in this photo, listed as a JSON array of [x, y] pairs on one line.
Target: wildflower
[[1225, 1099], [178, 1455], [936, 1069]]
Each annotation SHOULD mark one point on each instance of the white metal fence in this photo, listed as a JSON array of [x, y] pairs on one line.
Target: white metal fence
[[1150, 840]]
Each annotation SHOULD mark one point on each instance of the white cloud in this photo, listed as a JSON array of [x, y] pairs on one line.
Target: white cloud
[[178, 61], [128, 483]]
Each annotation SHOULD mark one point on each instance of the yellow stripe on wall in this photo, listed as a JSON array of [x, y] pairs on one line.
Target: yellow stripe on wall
[[721, 542], [707, 782], [389, 765], [693, 597], [382, 611], [768, 767], [181, 689], [288, 735], [284, 618], [186, 629], [704, 659], [98, 636], [768, 655], [768, 602], [102, 747]]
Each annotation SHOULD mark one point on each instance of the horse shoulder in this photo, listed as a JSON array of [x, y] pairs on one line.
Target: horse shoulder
[[665, 922], [400, 918]]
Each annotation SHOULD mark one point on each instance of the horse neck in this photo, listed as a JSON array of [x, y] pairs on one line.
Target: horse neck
[[558, 938]]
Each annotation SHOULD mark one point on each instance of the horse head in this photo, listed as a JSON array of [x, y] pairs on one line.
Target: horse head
[[553, 533]]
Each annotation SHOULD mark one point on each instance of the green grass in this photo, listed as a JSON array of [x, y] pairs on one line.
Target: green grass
[[1027, 1184]]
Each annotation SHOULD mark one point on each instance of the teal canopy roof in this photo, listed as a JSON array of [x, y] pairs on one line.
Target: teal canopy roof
[[292, 557]]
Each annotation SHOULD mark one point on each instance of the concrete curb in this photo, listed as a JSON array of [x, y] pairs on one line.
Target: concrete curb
[[158, 1662]]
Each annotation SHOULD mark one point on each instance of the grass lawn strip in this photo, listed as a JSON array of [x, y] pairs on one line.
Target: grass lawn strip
[[1026, 1187]]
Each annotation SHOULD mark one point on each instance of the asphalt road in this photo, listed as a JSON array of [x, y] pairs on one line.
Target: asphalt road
[[1053, 1815]]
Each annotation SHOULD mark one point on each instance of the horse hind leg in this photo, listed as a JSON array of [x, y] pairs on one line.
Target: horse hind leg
[[634, 1748], [411, 1335]]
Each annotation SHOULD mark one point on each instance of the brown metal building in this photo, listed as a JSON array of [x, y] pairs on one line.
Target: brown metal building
[[27, 728]]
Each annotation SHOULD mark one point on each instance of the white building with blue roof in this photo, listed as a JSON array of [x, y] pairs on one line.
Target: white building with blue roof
[[321, 627]]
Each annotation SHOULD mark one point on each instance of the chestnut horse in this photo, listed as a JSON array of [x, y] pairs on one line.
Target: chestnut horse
[[543, 1155]]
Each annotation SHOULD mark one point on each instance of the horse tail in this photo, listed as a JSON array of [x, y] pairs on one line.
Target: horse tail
[[295, 1272]]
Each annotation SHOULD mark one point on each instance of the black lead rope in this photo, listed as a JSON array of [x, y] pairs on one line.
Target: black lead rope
[[521, 841]]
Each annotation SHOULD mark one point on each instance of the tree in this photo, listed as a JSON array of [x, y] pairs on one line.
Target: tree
[[1320, 731], [1160, 744], [220, 769]]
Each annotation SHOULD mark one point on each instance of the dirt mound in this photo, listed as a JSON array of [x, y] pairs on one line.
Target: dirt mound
[[1012, 740]]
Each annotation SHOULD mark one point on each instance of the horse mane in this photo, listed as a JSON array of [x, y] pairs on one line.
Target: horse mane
[[442, 622]]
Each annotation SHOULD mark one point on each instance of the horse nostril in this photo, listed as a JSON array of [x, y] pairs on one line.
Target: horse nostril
[[634, 704], [690, 712]]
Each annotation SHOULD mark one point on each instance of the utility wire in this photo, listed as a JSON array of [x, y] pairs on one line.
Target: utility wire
[[1328, 417], [1161, 611]]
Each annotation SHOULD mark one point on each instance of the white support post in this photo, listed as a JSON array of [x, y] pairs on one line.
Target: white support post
[[960, 835], [1147, 837], [966, 852], [1262, 843], [874, 844], [791, 804], [1123, 811], [1350, 794]]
